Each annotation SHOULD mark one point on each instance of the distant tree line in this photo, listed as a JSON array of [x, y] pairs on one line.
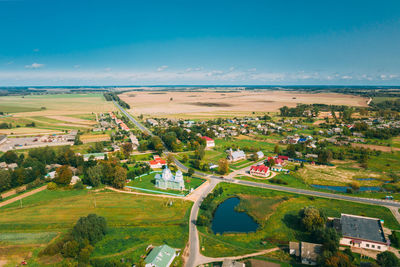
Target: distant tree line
[[113, 96]]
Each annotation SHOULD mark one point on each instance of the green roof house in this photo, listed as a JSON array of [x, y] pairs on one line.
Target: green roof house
[[161, 256]]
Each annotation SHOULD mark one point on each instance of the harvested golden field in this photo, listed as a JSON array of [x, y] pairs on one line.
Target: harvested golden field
[[55, 105], [87, 138], [227, 103], [332, 175], [72, 120]]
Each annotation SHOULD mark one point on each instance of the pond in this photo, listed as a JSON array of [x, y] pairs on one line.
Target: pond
[[228, 220], [344, 188]]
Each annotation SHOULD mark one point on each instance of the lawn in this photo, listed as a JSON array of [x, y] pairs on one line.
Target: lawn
[[148, 182], [276, 212]]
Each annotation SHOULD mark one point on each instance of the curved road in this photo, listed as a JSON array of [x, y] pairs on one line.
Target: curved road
[[194, 249]]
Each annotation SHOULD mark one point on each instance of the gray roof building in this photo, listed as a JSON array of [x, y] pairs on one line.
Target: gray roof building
[[364, 228]]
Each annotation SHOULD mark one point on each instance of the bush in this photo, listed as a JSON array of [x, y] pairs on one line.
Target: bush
[[51, 186], [20, 190], [278, 181], [79, 185]]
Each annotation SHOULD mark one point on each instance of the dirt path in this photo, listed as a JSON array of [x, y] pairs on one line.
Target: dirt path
[[142, 194], [205, 260], [30, 193]]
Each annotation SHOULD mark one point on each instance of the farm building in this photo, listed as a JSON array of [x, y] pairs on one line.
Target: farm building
[[235, 155], [209, 142], [157, 162], [161, 256], [167, 180], [361, 232], [307, 252], [260, 170]]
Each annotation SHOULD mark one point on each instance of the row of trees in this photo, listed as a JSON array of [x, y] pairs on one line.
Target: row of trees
[[113, 96]]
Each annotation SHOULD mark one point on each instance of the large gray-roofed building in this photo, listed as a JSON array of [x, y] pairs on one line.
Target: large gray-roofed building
[[362, 232], [362, 227]]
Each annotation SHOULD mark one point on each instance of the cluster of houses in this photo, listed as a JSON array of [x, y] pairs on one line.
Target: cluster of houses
[[103, 122], [119, 122], [5, 166], [356, 232]]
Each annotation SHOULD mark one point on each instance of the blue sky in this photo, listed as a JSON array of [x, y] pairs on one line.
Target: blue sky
[[147, 42]]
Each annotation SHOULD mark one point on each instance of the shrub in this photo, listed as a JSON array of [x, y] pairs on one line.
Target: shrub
[[51, 186], [79, 185], [20, 190]]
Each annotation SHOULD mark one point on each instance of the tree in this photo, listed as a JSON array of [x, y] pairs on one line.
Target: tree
[[312, 218], [10, 157], [5, 180], [84, 254], [185, 158], [190, 171], [387, 259], [70, 249], [328, 237], [277, 149], [223, 166], [94, 175], [63, 175], [120, 177], [338, 259], [127, 149], [170, 159], [91, 228]]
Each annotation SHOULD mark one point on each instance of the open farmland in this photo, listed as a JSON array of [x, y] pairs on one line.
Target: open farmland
[[222, 104], [55, 105], [51, 113]]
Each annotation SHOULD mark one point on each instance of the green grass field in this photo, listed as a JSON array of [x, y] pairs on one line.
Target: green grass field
[[134, 223], [277, 214]]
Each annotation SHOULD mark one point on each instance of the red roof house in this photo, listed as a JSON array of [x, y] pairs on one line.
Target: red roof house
[[157, 162], [259, 170], [209, 141]]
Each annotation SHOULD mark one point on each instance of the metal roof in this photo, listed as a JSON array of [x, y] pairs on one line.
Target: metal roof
[[362, 228]]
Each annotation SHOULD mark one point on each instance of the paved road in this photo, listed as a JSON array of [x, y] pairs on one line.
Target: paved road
[[195, 257], [138, 124]]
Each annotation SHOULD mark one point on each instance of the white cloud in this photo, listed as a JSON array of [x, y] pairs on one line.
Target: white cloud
[[36, 50], [77, 66], [104, 76], [34, 66], [161, 68]]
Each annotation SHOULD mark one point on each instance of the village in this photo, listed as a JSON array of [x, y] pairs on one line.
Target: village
[[331, 157]]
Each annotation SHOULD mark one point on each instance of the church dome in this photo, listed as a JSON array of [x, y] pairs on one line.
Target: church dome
[[167, 174], [178, 176]]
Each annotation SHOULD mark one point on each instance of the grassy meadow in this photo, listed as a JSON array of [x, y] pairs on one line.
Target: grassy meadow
[[132, 220]]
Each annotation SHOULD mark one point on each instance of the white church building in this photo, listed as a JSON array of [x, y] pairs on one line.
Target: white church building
[[166, 180]]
